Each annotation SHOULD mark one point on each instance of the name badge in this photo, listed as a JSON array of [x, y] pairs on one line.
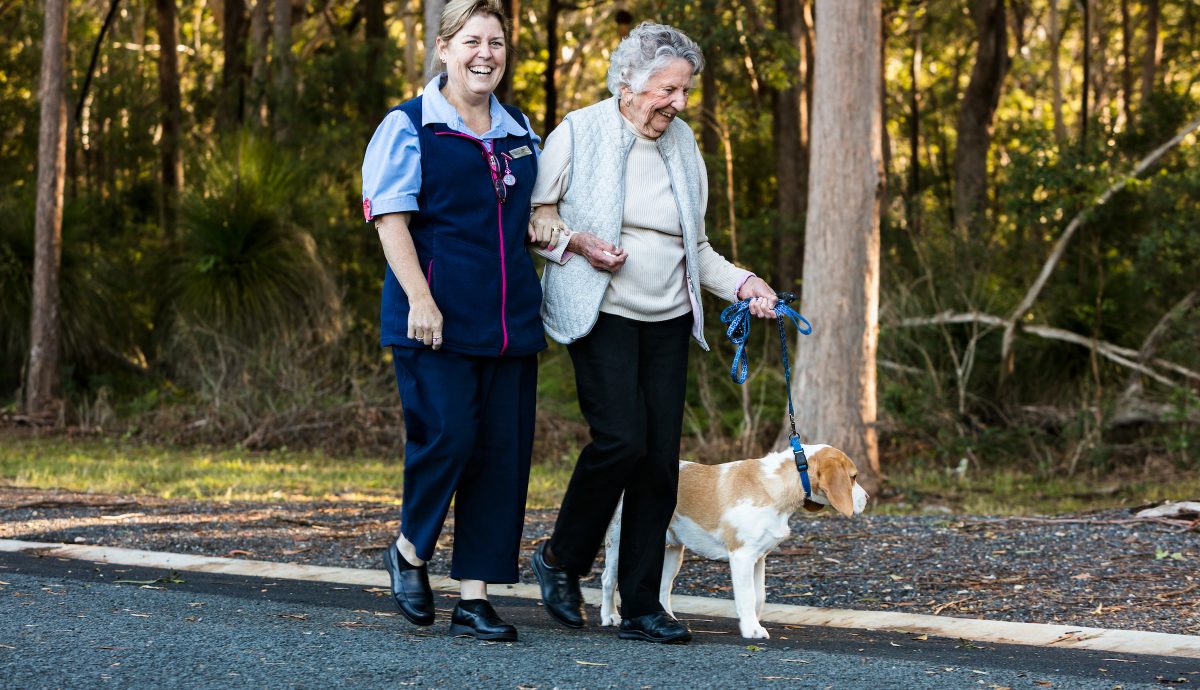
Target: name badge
[[520, 152]]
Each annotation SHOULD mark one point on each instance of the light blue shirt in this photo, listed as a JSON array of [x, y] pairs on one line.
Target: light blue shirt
[[391, 171]]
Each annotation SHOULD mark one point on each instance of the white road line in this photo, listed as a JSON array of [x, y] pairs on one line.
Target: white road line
[[1002, 632]]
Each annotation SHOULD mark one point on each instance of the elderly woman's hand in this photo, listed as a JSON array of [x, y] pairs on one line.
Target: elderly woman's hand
[[547, 228], [600, 254], [762, 297]]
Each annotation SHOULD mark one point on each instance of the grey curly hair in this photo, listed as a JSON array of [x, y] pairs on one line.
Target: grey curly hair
[[647, 49]]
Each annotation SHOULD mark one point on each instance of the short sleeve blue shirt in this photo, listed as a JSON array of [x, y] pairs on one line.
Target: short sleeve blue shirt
[[391, 171]]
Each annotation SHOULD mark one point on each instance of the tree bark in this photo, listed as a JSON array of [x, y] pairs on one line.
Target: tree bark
[[913, 207], [512, 9], [1126, 64], [433, 22], [45, 330], [791, 106], [975, 114], [550, 79], [91, 70], [281, 70], [412, 64], [260, 30], [1153, 53], [834, 377], [172, 115], [233, 74], [375, 95], [1060, 127], [1086, 86]]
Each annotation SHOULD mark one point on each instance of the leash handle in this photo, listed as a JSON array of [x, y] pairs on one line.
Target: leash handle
[[737, 316]]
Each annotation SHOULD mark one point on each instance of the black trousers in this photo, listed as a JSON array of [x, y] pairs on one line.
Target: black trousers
[[631, 378]]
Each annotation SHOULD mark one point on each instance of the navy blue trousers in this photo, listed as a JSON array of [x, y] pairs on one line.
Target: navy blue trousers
[[469, 423], [631, 377]]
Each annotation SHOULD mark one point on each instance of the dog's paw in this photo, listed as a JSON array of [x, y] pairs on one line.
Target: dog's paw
[[754, 631], [610, 618]]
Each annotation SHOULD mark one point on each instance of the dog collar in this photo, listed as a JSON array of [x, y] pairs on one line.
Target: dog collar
[[801, 464]]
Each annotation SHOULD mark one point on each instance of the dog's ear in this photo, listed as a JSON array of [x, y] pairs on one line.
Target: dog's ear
[[833, 468], [813, 506]]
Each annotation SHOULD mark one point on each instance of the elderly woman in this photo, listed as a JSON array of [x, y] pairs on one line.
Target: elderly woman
[[620, 200], [447, 179]]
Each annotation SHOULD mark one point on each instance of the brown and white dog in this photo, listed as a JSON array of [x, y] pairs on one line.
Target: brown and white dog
[[738, 512]]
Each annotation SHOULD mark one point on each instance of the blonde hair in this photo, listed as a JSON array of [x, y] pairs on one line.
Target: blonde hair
[[457, 13]]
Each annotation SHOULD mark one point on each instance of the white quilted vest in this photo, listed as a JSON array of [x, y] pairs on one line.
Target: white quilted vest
[[595, 201]]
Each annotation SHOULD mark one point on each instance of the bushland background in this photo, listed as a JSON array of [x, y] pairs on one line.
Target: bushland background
[[213, 308]]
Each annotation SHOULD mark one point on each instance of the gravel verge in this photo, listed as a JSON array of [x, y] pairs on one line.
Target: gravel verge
[[1105, 569]]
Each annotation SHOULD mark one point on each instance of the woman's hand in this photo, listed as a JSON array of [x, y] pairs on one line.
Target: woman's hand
[[600, 254], [425, 321], [762, 297], [547, 228]]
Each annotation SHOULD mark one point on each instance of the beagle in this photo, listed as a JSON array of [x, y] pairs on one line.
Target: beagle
[[738, 512]]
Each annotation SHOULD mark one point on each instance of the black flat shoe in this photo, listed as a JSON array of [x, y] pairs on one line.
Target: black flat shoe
[[560, 591], [654, 627], [410, 587], [477, 618]]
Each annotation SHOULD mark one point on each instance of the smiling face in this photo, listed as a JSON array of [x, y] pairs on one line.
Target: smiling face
[[474, 57], [665, 95]]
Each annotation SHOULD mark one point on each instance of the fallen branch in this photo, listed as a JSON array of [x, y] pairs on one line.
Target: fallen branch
[[1150, 344], [1124, 356], [1060, 247]]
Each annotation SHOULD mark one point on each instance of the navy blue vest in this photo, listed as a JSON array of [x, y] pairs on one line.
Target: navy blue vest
[[471, 247]]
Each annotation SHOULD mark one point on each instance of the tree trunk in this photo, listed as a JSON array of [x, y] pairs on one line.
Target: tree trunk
[[913, 207], [975, 114], [45, 331], [1086, 86], [233, 74], [433, 21], [710, 137], [91, 70], [1060, 128], [794, 18], [172, 117], [551, 75], [375, 95], [412, 64], [834, 376], [512, 9], [281, 70], [1099, 33], [260, 30], [1126, 64], [1153, 53]]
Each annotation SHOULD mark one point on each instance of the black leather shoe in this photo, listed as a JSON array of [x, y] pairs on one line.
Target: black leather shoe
[[560, 591], [477, 618], [654, 627], [410, 587]]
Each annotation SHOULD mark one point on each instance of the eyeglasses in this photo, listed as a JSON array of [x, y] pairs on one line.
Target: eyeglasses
[[499, 183]]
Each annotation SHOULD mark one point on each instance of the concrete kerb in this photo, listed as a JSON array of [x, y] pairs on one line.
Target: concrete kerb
[[976, 630]]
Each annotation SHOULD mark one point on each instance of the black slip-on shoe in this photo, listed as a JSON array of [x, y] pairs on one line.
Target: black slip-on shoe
[[410, 587], [477, 618], [654, 627], [560, 590]]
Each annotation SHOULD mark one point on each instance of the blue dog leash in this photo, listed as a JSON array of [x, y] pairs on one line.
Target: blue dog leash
[[738, 317]]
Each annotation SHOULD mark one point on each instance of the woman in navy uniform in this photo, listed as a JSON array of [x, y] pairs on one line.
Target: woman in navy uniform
[[447, 180]]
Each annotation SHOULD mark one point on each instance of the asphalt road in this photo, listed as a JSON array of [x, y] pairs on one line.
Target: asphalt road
[[76, 624]]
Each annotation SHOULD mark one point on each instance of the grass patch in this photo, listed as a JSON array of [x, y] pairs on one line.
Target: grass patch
[[115, 466], [111, 466], [1015, 491]]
